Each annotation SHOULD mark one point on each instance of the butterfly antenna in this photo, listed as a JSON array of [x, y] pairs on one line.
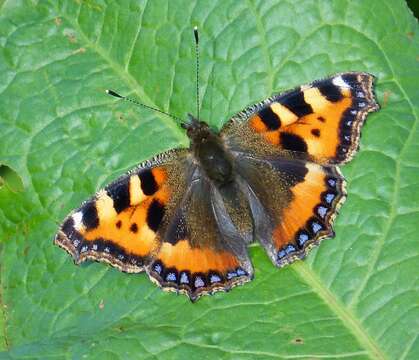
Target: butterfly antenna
[[195, 31], [115, 94]]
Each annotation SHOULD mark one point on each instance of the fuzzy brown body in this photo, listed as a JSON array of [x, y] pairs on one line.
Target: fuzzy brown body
[[210, 152], [270, 175]]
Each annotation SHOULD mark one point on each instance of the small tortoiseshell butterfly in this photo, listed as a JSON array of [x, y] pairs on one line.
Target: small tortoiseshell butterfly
[[186, 216]]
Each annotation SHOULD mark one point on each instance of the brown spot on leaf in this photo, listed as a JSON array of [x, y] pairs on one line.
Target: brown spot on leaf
[[79, 51], [298, 341], [72, 38]]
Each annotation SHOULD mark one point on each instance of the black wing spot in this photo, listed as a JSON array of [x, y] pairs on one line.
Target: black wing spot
[[119, 192], [118, 224], [351, 79], [330, 92], [133, 228], [90, 217], [292, 170], [321, 118], [296, 103], [269, 118], [293, 142], [177, 229], [155, 215], [68, 226], [148, 182], [315, 132]]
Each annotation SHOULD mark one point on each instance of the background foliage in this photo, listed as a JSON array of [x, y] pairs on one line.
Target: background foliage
[[61, 138]]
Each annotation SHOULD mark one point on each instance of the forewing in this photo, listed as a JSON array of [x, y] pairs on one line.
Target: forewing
[[119, 225], [320, 121]]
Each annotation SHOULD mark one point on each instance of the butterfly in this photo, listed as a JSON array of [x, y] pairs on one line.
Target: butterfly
[[271, 175]]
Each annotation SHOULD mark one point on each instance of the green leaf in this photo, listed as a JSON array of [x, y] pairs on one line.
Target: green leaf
[[355, 296]]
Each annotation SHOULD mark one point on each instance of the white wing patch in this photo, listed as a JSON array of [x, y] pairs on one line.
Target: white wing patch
[[77, 218], [338, 81]]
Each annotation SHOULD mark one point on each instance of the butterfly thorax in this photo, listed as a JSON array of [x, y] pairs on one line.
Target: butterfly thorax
[[209, 152]]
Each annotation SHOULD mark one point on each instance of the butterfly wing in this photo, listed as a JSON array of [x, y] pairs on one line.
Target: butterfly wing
[[202, 250], [286, 148], [120, 224], [321, 120], [294, 203]]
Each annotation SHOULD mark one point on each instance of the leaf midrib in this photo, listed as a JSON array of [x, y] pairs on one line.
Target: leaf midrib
[[347, 317]]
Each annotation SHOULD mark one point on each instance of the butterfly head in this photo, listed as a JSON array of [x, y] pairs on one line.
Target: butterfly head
[[196, 130]]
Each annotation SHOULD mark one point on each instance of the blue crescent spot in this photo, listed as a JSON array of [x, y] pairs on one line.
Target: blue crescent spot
[[329, 197], [281, 254], [231, 275], [199, 282], [215, 278], [184, 278], [171, 277], [240, 272], [302, 238], [322, 211], [331, 182], [316, 227], [289, 249], [157, 268]]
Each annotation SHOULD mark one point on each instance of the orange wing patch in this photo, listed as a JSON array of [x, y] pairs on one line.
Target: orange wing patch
[[182, 256], [309, 216], [128, 229], [320, 129], [119, 225], [322, 119], [196, 271]]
